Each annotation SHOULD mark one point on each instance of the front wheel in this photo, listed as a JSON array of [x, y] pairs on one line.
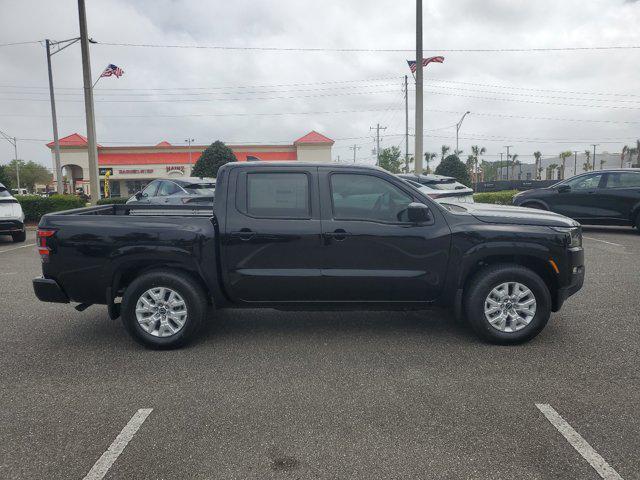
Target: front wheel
[[163, 309], [507, 304]]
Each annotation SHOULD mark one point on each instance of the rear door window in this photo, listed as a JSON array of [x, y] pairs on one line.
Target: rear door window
[[168, 188], [278, 195], [623, 180]]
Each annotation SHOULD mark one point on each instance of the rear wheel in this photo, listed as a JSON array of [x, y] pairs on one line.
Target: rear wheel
[[507, 304], [163, 309], [19, 236]]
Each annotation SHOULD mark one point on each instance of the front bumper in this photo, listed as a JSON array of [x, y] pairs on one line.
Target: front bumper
[[11, 226], [575, 277], [48, 290]]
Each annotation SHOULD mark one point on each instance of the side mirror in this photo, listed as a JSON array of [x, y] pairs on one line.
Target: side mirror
[[138, 195], [564, 188], [418, 213]]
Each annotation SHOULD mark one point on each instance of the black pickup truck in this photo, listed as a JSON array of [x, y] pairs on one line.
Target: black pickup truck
[[311, 236]]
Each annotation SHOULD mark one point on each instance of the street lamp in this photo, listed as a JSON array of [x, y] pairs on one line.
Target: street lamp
[[13, 141], [188, 141], [59, 46], [458, 125]]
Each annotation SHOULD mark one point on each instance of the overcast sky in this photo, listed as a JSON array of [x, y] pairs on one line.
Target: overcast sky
[[547, 101]]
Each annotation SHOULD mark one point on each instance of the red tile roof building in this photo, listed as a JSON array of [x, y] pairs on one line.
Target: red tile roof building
[[132, 167]]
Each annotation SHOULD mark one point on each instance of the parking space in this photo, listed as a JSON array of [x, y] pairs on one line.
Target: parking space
[[267, 394]]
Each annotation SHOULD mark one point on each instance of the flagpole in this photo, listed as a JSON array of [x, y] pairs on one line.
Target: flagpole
[[419, 106]]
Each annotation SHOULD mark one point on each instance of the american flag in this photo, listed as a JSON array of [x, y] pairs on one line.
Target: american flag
[[112, 70], [425, 61]]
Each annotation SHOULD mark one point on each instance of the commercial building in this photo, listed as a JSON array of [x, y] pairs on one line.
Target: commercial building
[[130, 168]]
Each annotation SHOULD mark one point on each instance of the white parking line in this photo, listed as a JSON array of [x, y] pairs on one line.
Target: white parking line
[[16, 248], [603, 241], [579, 443], [104, 463]]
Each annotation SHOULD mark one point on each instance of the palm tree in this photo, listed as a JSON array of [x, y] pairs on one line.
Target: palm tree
[[428, 156], [445, 149], [537, 156], [586, 166], [457, 152], [625, 150], [550, 170], [631, 153], [476, 153], [563, 157], [514, 162], [602, 162]]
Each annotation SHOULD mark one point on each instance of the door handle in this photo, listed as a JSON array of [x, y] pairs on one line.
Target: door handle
[[244, 234], [338, 234]]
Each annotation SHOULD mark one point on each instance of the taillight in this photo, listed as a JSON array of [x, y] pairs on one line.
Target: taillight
[[43, 248]]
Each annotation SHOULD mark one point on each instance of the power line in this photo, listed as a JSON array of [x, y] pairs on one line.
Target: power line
[[368, 50], [19, 43]]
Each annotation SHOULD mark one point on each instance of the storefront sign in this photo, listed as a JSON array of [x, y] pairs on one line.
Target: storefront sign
[[103, 171], [175, 168], [135, 171]]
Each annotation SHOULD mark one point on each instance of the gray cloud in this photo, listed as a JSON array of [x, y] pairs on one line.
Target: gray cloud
[[290, 23]]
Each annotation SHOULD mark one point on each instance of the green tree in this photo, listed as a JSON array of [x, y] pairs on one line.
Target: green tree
[[451, 166], [563, 157], [444, 150], [31, 173], [5, 178], [215, 155], [390, 159], [538, 156]]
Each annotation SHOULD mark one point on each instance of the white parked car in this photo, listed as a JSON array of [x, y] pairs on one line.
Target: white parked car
[[440, 188], [11, 216]]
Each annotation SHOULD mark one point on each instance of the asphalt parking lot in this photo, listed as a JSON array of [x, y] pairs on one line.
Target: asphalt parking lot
[[267, 394]]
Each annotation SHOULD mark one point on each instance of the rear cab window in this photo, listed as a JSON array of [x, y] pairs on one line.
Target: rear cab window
[[623, 180], [277, 195]]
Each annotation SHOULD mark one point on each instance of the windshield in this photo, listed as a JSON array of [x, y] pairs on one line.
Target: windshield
[[201, 188]]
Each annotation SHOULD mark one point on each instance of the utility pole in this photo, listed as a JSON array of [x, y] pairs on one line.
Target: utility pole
[[355, 148], [458, 125], [575, 162], [500, 166], [13, 141], [406, 124], [377, 128], [188, 141], [88, 104], [417, 154], [508, 147], [594, 145]]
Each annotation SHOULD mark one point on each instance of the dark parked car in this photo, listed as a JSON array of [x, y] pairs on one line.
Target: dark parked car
[[601, 197], [298, 236], [176, 191], [440, 187]]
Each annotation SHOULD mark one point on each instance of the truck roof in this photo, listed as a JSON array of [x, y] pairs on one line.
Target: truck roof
[[290, 164]]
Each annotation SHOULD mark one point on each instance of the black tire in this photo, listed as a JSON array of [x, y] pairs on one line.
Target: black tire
[[194, 298], [484, 282], [637, 222], [19, 237]]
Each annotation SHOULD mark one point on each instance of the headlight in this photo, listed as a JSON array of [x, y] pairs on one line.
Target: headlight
[[574, 235]]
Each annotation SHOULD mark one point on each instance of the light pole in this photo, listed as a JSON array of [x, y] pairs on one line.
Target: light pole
[[14, 141], [419, 129], [188, 142], [594, 145], [458, 125], [508, 147], [59, 46]]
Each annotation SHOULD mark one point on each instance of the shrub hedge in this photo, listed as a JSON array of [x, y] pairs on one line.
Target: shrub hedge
[[112, 201], [504, 197], [35, 206]]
